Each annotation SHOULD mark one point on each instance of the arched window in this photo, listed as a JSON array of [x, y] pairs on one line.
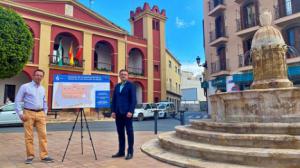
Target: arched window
[[62, 46], [135, 62], [103, 56]]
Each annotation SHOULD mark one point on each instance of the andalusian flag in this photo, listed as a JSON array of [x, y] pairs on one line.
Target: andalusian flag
[[59, 54], [71, 54]]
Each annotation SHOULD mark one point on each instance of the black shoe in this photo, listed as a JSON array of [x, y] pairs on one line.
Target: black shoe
[[129, 156], [28, 161], [48, 160], [118, 155]]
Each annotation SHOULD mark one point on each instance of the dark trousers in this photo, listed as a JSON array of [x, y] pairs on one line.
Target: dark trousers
[[122, 122]]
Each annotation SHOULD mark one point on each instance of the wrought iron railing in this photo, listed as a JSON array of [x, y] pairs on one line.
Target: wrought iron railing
[[245, 60], [103, 66], [280, 12], [220, 65], [212, 4], [214, 35], [293, 51], [252, 21], [136, 71], [54, 60]]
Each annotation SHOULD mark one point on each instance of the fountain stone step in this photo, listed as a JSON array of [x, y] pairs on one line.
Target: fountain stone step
[[288, 158], [153, 149], [247, 128], [242, 140]]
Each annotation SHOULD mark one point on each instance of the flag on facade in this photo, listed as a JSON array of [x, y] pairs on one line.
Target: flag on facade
[[79, 53], [71, 56], [60, 54]]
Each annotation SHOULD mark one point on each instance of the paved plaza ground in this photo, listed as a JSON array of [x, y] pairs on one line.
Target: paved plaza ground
[[12, 153]]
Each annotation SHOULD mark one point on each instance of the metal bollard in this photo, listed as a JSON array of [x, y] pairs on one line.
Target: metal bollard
[[182, 117], [155, 121]]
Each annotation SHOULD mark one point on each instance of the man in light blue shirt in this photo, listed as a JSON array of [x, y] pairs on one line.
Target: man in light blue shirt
[[35, 112], [122, 86]]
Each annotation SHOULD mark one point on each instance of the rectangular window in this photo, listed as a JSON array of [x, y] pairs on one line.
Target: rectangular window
[[31, 56], [175, 69], [288, 7], [155, 24], [249, 15], [291, 37], [156, 68], [170, 64], [9, 93]]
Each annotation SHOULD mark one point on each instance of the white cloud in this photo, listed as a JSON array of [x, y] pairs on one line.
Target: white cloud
[[192, 67], [180, 23]]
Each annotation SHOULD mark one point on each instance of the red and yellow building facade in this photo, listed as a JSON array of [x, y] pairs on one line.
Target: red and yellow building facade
[[106, 48]]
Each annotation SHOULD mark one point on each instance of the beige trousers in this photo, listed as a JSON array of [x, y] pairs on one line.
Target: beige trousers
[[38, 120]]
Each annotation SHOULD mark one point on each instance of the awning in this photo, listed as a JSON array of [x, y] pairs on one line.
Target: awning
[[204, 85], [244, 78], [247, 78], [293, 71], [220, 81]]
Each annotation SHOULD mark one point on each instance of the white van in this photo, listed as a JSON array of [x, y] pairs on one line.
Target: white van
[[145, 110], [167, 108]]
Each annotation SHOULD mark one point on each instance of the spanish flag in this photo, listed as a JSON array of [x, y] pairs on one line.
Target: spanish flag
[[71, 54], [78, 55]]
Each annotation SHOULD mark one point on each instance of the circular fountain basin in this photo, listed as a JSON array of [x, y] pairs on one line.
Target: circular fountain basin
[[259, 105]]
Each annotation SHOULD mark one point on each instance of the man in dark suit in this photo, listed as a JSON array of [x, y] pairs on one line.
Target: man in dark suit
[[123, 105]]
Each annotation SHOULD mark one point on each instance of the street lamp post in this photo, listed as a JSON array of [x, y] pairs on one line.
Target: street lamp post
[[198, 60]]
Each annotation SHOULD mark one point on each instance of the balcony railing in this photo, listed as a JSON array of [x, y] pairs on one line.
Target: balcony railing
[[136, 71], [245, 60], [102, 66], [214, 35], [54, 60], [293, 51], [212, 4], [220, 65], [282, 12], [253, 21]]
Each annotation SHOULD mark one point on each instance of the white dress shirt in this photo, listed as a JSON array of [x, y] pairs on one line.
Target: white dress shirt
[[33, 96]]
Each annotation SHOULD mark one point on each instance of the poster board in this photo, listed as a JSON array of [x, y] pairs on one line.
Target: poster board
[[81, 91]]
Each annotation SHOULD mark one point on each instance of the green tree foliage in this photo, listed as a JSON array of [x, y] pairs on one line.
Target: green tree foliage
[[16, 43]]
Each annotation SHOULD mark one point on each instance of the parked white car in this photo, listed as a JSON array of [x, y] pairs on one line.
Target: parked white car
[[8, 115], [167, 109], [145, 110]]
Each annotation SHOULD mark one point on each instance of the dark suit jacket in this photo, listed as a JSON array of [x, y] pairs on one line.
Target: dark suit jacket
[[126, 100]]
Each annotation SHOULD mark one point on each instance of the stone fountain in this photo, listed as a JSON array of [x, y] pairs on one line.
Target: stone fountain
[[255, 128]]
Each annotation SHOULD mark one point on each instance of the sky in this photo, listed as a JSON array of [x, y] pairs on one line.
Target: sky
[[184, 30]]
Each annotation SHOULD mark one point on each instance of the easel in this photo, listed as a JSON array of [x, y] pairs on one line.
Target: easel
[[81, 126]]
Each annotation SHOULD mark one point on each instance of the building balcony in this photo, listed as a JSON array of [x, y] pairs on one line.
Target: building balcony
[[245, 62], [215, 7], [65, 63], [220, 68], [244, 29], [293, 58], [104, 67], [218, 38], [136, 71], [284, 17]]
